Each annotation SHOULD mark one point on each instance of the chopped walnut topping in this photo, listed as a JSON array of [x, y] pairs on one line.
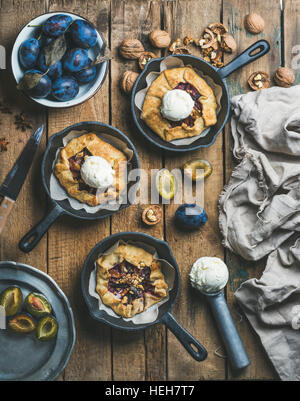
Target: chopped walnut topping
[[187, 40]]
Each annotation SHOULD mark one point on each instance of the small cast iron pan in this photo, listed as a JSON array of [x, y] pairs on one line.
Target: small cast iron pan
[[219, 76], [164, 315], [59, 208]]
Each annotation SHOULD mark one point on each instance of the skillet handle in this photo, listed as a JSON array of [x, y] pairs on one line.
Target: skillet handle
[[245, 58], [33, 237], [186, 339]]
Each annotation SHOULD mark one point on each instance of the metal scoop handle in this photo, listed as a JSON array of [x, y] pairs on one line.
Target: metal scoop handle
[[233, 344]]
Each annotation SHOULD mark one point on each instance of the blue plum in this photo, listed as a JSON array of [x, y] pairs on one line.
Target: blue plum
[[56, 25], [55, 70], [65, 88], [28, 53], [75, 60], [83, 34], [86, 75], [190, 216], [43, 88]]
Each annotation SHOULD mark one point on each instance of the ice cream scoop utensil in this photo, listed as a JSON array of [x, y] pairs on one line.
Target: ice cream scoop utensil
[[235, 349]]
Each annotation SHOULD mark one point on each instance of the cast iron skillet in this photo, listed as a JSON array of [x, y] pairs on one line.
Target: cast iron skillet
[[58, 208], [164, 315], [219, 76]]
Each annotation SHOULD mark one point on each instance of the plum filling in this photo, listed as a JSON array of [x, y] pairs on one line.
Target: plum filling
[[75, 163], [129, 281], [195, 95]]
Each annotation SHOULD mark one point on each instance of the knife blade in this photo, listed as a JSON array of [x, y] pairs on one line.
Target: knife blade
[[14, 181]]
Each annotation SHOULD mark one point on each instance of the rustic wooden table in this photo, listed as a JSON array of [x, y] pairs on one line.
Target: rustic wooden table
[[101, 353]]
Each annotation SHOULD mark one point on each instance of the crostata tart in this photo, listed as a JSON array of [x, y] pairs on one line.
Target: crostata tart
[[179, 104], [91, 170], [130, 280]]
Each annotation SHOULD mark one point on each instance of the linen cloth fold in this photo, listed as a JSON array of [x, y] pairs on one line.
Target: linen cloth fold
[[260, 215]]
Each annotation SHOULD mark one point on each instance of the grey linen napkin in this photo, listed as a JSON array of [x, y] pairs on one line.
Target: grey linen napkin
[[260, 215]]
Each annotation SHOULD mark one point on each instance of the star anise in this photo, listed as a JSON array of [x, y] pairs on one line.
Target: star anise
[[22, 122]]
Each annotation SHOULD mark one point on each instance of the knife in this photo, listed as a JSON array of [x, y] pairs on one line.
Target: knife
[[14, 181]]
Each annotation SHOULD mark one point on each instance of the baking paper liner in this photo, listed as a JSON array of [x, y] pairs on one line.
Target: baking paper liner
[[175, 62], [58, 193], [149, 315]]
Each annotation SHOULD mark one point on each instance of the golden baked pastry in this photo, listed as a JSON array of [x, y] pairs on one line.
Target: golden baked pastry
[[130, 280], [70, 160], [202, 116]]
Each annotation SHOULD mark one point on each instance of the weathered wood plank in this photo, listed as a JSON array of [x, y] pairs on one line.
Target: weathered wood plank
[[234, 12], [291, 35], [190, 18], [31, 201], [143, 352], [70, 240]]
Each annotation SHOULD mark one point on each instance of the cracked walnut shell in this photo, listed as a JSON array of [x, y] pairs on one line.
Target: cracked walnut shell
[[259, 80], [127, 81], [144, 58], [254, 23], [159, 39], [284, 77], [152, 215], [228, 43], [131, 49]]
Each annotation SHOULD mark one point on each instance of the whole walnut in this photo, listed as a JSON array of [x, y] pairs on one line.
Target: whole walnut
[[127, 81], [254, 23], [131, 49], [284, 77], [159, 38]]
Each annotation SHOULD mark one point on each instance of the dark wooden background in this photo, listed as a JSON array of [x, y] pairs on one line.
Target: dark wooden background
[[100, 352]]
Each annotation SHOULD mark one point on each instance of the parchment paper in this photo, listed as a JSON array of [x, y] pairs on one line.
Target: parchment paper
[[167, 64], [57, 192], [150, 315]]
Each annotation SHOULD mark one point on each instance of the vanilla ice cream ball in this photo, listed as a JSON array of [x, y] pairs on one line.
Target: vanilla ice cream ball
[[176, 105], [209, 274], [96, 172]]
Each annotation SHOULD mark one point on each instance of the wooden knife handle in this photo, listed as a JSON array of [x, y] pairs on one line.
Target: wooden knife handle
[[6, 205]]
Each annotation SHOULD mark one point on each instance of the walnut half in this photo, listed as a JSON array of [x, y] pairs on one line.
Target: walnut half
[[152, 215], [259, 80], [144, 58]]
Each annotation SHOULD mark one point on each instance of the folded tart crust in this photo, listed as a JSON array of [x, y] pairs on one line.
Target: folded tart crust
[[202, 116], [130, 280], [70, 160]]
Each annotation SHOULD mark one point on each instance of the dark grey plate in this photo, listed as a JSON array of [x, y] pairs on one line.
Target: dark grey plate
[[23, 357]]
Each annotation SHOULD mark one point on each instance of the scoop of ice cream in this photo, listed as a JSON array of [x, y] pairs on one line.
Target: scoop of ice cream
[[176, 105], [209, 274], [97, 172]]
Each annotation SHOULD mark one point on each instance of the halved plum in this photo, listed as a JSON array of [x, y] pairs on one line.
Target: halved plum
[[37, 305], [47, 328], [11, 299], [22, 323]]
